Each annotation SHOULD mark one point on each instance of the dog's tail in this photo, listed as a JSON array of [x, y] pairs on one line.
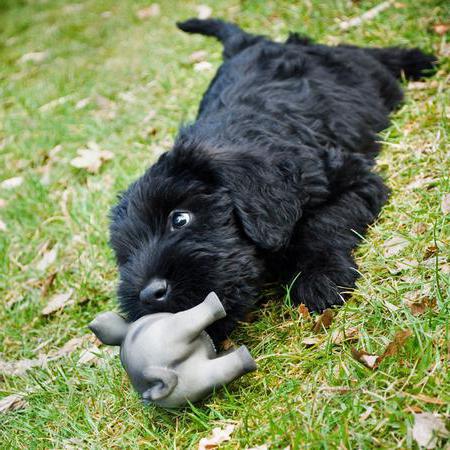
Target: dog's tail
[[233, 38], [412, 63]]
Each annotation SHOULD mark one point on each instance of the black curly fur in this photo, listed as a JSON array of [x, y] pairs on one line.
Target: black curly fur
[[276, 171]]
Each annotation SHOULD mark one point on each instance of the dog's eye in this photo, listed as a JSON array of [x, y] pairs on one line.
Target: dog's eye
[[180, 219]]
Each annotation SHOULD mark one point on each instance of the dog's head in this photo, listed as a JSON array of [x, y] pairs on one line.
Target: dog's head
[[201, 219]]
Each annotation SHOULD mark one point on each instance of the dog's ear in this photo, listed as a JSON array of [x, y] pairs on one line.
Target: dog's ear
[[267, 195]]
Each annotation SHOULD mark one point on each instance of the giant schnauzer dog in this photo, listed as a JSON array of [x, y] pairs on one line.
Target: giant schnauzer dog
[[273, 182]]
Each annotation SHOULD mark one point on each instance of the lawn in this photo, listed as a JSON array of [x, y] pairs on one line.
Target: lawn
[[99, 75]]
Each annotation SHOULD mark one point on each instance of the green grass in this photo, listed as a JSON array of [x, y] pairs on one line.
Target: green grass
[[286, 402]]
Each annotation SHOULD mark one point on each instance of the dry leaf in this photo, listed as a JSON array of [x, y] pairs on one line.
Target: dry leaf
[[91, 158], [11, 183], [412, 409], [324, 321], [402, 265], [198, 56], [445, 204], [394, 246], [310, 341], [47, 259], [421, 182], [427, 399], [71, 345], [203, 66], [365, 358], [204, 11], [150, 11], [3, 226], [394, 346], [418, 308], [226, 344], [20, 367], [368, 15], [428, 427], [218, 436], [340, 336], [304, 311], [373, 361], [12, 403], [36, 57], [89, 355], [47, 284], [419, 228], [364, 416], [58, 302], [441, 28]]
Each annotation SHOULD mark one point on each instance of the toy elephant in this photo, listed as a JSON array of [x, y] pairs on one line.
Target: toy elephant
[[169, 358]]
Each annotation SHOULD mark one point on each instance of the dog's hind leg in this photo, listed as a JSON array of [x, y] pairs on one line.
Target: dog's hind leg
[[321, 250], [233, 38]]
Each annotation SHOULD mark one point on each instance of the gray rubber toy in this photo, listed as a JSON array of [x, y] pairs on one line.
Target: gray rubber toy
[[169, 358]]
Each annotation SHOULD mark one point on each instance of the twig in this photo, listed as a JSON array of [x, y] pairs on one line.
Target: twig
[[368, 15]]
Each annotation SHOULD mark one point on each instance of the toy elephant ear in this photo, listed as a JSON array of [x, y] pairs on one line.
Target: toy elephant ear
[[161, 383], [109, 327]]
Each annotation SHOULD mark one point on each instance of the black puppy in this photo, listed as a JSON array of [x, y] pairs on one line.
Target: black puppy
[[272, 182]]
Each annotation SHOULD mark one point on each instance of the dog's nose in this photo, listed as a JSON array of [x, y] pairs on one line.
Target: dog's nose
[[156, 290]]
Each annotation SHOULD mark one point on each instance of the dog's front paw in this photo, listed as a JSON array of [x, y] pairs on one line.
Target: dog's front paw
[[317, 292]]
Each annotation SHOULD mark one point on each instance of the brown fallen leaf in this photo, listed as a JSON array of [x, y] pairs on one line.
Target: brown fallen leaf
[[150, 11], [412, 409], [218, 436], [418, 302], [394, 246], [91, 158], [430, 251], [427, 429], [48, 258], [419, 228], [340, 336], [324, 321], [427, 399], [72, 345], [441, 28], [20, 367], [203, 11], [445, 204], [47, 283], [394, 346], [373, 361], [58, 302], [304, 311], [89, 355], [12, 403], [365, 358], [11, 183], [226, 344]]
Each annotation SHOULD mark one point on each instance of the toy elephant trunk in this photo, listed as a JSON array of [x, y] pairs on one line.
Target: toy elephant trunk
[[169, 358]]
